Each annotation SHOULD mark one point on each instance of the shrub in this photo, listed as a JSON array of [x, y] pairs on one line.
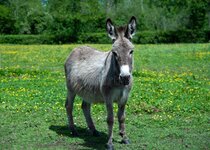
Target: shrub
[[27, 39], [178, 36], [144, 37], [94, 38]]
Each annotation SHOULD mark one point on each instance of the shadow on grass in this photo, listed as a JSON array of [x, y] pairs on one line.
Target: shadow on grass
[[90, 141]]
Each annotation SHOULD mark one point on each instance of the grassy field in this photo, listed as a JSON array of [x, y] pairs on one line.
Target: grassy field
[[168, 108]]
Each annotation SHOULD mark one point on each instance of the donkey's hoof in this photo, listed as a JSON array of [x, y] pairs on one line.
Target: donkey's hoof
[[96, 133], [109, 146], [125, 141]]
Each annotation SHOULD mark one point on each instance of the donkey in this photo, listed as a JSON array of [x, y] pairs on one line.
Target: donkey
[[102, 77]]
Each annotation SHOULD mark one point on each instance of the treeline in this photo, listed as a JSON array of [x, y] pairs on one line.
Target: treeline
[[83, 21]]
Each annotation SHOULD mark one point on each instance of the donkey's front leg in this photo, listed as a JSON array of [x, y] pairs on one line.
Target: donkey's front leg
[[110, 122], [121, 120]]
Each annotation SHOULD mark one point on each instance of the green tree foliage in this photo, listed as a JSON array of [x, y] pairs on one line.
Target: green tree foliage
[[69, 20], [198, 13], [6, 21]]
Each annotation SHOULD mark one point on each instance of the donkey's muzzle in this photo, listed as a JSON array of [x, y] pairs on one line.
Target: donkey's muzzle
[[125, 80]]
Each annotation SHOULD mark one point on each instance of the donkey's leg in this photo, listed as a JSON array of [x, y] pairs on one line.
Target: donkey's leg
[[121, 120], [69, 110], [86, 110], [110, 122]]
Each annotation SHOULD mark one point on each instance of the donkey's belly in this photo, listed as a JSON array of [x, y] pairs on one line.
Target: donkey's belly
[[118, 95], [88, 88], [91, 97]]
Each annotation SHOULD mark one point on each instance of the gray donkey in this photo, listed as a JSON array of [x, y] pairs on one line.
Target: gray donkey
[[102, 77]]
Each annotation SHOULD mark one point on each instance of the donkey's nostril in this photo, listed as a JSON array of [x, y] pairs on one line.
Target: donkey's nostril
[[125, 79]]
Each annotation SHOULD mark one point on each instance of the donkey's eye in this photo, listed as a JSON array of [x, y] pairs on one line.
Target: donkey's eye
[[131, 52], [115, 54]]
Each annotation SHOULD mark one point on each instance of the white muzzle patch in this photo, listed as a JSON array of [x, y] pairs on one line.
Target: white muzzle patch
[[124, 70]]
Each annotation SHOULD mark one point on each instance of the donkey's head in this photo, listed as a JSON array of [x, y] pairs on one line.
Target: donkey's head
[[122, 50]]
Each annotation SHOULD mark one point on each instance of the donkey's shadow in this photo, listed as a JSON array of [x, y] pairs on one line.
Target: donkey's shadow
[[89, 140]]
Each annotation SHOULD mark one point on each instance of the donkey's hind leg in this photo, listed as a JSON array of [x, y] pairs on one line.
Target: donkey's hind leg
[[86, 107], [69, 110]]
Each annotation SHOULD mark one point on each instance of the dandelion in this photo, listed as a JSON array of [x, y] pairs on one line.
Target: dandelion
[[169, 116], [35, 107], [178, 107]]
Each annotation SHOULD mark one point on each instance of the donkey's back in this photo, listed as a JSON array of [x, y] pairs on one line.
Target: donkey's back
[[83, 70]]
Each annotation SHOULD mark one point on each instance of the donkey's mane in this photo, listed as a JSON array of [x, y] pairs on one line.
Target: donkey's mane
[[121, 31]]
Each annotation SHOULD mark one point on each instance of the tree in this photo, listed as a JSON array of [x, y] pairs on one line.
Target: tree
[[198, 14]]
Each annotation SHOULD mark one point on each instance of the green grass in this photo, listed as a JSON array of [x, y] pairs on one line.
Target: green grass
[[168, 107]]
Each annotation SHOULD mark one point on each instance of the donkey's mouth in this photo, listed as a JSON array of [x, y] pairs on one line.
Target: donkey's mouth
[[125, 80]]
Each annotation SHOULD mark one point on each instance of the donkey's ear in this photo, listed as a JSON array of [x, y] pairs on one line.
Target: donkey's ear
[[131, 28], [111, 29]]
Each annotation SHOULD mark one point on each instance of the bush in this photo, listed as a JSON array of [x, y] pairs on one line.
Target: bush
[[96, 38], [27, 39], [179, 36], [152, 37], [144, 37]]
